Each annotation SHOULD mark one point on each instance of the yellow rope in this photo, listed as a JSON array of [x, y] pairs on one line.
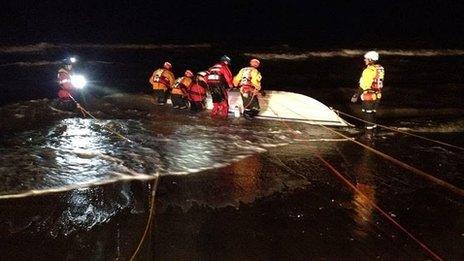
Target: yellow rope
[[150, 217]]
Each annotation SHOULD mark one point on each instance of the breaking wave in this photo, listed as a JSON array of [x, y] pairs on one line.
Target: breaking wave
[[42, 47], [31, 64], [353, 53]]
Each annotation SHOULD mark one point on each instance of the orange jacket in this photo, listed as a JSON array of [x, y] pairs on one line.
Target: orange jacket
[[181, 86], [162, 79]]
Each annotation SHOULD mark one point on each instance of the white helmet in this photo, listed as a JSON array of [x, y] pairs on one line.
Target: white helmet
[[372, 55]]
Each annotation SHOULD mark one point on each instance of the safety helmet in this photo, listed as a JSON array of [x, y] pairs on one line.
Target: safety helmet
[[372, 55], [167, 65], [225, 59], [254, 63], [201, 76], [202, 73], [188, 73], [69, 61]]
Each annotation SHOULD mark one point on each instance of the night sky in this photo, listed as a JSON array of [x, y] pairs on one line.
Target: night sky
[[434, 24]]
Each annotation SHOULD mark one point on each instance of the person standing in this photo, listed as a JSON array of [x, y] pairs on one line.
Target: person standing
[[197, 93], [249, 81], [179, 92], [370, 90], [219, 80], [161, 81], [65, 86]]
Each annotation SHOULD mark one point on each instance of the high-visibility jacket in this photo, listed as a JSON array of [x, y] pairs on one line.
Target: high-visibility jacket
[[371, 82], [248, 79], [64, 80], [220, 72], [181, 86], [162, 79], [197, 92]]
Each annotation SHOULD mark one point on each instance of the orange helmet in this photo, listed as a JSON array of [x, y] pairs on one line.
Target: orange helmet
[[254, 63], [167, 65], [188, 73]]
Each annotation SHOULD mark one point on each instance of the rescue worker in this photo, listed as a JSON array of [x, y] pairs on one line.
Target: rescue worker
[[179, 92], [249, 82], [161, 81], [219, 80], [65, 86], [370, 90], [197, 93]]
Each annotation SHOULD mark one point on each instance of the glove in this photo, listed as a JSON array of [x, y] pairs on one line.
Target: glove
[[354, 98]]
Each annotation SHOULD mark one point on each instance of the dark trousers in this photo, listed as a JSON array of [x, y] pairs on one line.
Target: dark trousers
[[369, 108], [178, 101], [197, 106], [161, 95], [250, 104]]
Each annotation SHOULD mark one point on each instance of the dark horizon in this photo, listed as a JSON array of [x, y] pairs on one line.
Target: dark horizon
[[434, 24]]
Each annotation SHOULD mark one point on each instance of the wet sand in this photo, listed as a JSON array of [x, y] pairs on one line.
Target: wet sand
[[281, 204]]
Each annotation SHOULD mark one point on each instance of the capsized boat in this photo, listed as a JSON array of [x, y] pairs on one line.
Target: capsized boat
[[287, 106]]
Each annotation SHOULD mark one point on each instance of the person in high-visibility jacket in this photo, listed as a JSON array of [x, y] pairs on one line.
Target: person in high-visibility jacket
[[249, 81], [219, 80], [65, 86], [197, 93], [179, 90], [161, 80], [370, 90]]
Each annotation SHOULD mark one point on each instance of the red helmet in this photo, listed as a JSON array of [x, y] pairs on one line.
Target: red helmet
[[188, 73], [254, 63], [167, 65]]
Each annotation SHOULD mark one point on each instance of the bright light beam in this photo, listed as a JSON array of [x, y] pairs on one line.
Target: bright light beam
[[78, 81]]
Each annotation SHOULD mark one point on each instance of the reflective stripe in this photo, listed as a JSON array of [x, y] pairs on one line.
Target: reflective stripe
[[371, 127], [213, 77], [367, 111]]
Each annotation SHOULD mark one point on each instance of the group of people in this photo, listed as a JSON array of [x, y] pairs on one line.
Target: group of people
[[217, 80]]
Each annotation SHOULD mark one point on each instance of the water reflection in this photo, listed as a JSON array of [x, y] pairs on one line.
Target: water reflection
[[364, 196], [245, 179]]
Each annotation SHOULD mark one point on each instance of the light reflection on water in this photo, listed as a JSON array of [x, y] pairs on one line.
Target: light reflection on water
[[81, 150]]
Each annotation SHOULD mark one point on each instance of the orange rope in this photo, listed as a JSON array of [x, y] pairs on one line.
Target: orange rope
[[421, 173], [381, 211], [400, 131]]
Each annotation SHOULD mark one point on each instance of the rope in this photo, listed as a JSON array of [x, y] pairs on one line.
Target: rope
[[400, 163], [150, 217], [421, 173], [380, 210], [400, 131], [93, 117]]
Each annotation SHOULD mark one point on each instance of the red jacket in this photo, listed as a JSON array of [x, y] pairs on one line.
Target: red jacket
[[197, 92], [220, 69], [64, 79]]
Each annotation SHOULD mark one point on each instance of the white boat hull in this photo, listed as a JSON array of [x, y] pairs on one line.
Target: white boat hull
[[287, 106]]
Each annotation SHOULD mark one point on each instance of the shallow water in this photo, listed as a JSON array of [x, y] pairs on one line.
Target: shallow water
[[230, 189]]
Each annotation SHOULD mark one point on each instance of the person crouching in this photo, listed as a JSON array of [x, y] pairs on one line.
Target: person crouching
[[179, 92], [197, 93], [161, 81]]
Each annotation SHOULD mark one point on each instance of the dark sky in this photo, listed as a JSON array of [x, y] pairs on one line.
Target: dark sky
[[412, 23]]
